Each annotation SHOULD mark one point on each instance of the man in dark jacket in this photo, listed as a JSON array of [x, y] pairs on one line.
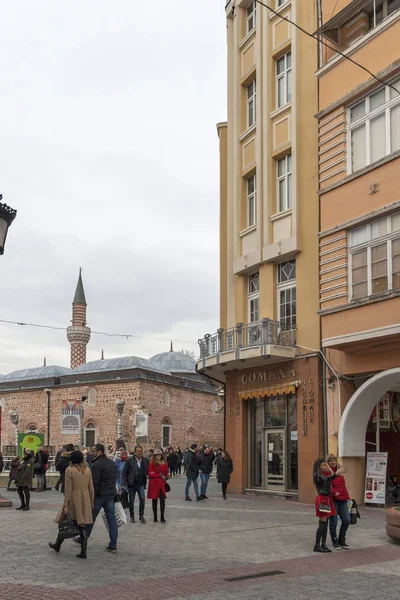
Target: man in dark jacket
[[205, 461], [134, 476], [104, 474], [63, 463], [192, 473]]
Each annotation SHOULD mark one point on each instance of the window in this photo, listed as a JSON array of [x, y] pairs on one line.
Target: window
[[287, 294], [251, 201], [254, 297], [382, 9], [375, 257], [90, 435], [281, 2], [374, 127], [251, 103], [284, 80], [284, 185], [251, 16], [167, 398]]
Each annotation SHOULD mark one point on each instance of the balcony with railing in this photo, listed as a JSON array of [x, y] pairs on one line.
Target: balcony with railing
[[252, 343]]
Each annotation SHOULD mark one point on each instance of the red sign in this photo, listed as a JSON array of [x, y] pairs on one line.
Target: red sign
[[369, 495]]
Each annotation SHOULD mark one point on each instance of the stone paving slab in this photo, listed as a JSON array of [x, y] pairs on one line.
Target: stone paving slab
[[191, 558]]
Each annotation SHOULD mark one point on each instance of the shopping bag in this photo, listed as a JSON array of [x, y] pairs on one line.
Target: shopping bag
[[119, 515], [125, 499]]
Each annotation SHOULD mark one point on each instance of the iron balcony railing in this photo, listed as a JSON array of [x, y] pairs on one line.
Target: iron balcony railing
[[260, 333]]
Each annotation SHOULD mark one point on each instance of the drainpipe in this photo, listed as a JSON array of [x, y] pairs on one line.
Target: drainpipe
[[319, 17], [324, 406], [48, 392]]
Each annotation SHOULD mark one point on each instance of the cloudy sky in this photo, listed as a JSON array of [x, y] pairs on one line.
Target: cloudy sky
[[109, 152]]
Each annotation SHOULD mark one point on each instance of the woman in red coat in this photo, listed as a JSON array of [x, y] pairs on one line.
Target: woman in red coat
[[158, 475], [340, 496]]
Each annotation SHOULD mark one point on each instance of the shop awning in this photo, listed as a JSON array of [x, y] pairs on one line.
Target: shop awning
[[275, 391]]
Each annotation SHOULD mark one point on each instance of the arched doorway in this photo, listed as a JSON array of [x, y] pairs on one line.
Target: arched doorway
[[355, 439]]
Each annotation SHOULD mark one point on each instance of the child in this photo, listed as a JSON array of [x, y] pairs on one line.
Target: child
[[324, 507]]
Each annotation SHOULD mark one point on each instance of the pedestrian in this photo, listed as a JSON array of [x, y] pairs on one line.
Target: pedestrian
[[57, 460], [1, 462], [205, 461], [172, 461], [324, 506], [40, 460], [120, 462], [158, 475], [184, 460], [394, 488], [13, 470], [24, 478], [134, 478], [64, 463], [46, 467], [179, 458], [224, 470], [104, 473], [192, 473], [150, 454], [78, 500], [340, 496]]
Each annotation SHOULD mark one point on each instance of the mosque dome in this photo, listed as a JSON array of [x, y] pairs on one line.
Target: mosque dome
[[120, 364], [36, 373], [174, 362]]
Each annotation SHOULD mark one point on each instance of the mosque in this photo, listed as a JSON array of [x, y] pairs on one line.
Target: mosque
[[158, 400]]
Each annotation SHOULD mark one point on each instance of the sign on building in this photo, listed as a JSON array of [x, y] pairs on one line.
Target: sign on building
[[375, 480], [142, 424], [71, 417], [31, 441]]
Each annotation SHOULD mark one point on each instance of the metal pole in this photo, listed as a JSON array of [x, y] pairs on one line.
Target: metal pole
[[374, 13], [48, 417]]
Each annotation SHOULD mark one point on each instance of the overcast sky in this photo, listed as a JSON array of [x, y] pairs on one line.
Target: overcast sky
[[109, 152]]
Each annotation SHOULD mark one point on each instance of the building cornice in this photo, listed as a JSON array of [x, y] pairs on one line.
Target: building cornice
[[362, 219]]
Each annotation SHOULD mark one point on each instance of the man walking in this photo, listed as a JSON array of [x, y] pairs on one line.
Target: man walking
[[192, 473], [104, 474], [205, 461], [134, 476]]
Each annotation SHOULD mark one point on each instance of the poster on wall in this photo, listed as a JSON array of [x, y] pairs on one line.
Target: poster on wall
[[142, 424], [71, 417], [32, 441], [375, 480]]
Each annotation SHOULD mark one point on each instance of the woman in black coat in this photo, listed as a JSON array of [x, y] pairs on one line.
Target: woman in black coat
[[224, 470]]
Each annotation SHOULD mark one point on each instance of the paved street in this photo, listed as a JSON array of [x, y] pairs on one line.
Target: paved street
[[245, 547]]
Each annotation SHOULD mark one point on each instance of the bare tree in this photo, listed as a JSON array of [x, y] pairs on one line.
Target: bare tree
[[190, 353]]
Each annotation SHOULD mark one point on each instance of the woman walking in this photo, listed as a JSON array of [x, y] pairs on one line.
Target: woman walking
[[224, 470], [340, 496], [41, 461], [324, 507], [23, 480], [158, 475], [13, 471], [78, 500]]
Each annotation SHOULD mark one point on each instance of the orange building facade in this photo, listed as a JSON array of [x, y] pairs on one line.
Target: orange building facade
[[359, 238]]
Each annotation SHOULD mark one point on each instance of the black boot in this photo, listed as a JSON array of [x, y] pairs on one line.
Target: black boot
[[22, 499], [319, 534], [342, 541], [162, 508], [20, 507], [324, 547], [154, 502], [57, 545], [83, 534]]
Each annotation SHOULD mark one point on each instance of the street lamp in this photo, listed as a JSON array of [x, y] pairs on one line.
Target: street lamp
[[7, 216]]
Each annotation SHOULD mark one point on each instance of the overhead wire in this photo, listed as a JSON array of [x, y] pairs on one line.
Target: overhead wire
[[319, 40], [123, 335]]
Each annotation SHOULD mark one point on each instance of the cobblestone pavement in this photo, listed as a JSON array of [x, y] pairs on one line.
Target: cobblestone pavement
[[245, 547]]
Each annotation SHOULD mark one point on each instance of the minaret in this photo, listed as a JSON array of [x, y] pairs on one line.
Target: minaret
[[78, 334]]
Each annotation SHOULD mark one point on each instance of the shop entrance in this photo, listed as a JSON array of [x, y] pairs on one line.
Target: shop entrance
[[275, 459]]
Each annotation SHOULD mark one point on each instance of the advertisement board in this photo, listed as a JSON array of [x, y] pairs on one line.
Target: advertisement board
[[32, 441], [375, 479]]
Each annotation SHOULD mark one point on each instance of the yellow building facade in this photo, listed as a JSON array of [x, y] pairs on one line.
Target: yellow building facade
[[269, 330]]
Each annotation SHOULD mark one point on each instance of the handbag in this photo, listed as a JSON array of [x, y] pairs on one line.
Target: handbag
[[167, 486], [66, 528], [324, 506], [124, 499]]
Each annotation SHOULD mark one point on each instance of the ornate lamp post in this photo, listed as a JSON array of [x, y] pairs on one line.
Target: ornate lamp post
[[120, 409], [14, 418], [7, 216]]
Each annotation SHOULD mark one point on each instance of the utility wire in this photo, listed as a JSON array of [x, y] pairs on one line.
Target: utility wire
[[123, 335], [334, 8], [316, 37]]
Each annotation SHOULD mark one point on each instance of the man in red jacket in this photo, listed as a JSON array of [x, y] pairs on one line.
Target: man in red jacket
[[340, 496]]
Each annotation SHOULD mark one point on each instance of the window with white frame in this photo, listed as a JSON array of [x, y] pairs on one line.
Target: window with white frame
[[251, 103], [284, 79], [287, 294], [375, 257], [253, 295], [251, 16], [381, 10], [251, 201], [284, 184], [374, 127]]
